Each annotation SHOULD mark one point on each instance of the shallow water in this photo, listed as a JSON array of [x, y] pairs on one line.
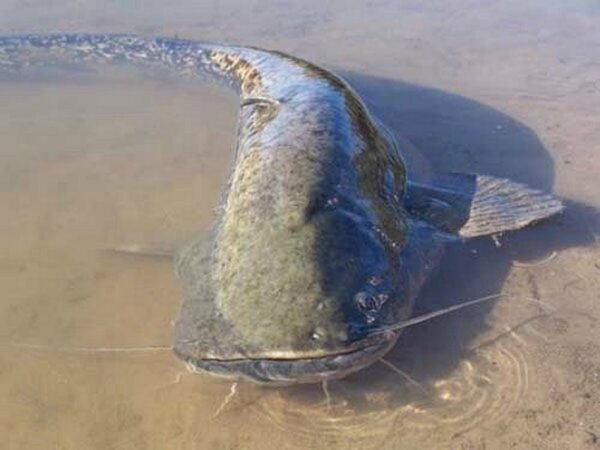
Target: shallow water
[[506, 88]]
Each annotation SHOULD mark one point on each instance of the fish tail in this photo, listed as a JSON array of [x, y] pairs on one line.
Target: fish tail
[[234, 65]]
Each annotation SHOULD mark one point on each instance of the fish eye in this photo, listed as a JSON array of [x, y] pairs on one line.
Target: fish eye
[[366, 303]]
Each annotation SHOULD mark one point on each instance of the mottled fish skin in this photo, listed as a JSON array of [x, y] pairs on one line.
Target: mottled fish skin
[[305, 260]]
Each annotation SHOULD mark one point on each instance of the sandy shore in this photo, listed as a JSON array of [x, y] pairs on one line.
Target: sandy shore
[[505, 88]]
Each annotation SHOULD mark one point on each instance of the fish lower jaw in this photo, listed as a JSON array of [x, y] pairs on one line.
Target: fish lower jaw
[[287, 372]]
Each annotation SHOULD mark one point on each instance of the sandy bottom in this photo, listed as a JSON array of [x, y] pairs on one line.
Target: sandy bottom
[[86, 165]]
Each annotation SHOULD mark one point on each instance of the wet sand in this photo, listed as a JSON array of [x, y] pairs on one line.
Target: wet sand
[[508, 89]]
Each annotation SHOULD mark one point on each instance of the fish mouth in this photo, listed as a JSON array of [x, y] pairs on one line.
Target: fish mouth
[[286, 372]]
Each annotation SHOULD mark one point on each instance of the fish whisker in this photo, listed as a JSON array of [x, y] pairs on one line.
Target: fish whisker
[[441, 312], [89, 349], [404, 375], [226, 400]]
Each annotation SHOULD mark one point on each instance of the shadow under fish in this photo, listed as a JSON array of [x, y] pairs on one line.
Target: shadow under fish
[[322, 242]]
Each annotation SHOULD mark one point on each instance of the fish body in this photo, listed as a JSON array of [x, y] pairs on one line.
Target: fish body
[[321, 244]]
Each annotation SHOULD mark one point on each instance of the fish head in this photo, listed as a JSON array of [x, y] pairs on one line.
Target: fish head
[[287, 305]]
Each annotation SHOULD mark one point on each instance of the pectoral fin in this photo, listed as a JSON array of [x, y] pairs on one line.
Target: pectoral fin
[[476, 205]]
